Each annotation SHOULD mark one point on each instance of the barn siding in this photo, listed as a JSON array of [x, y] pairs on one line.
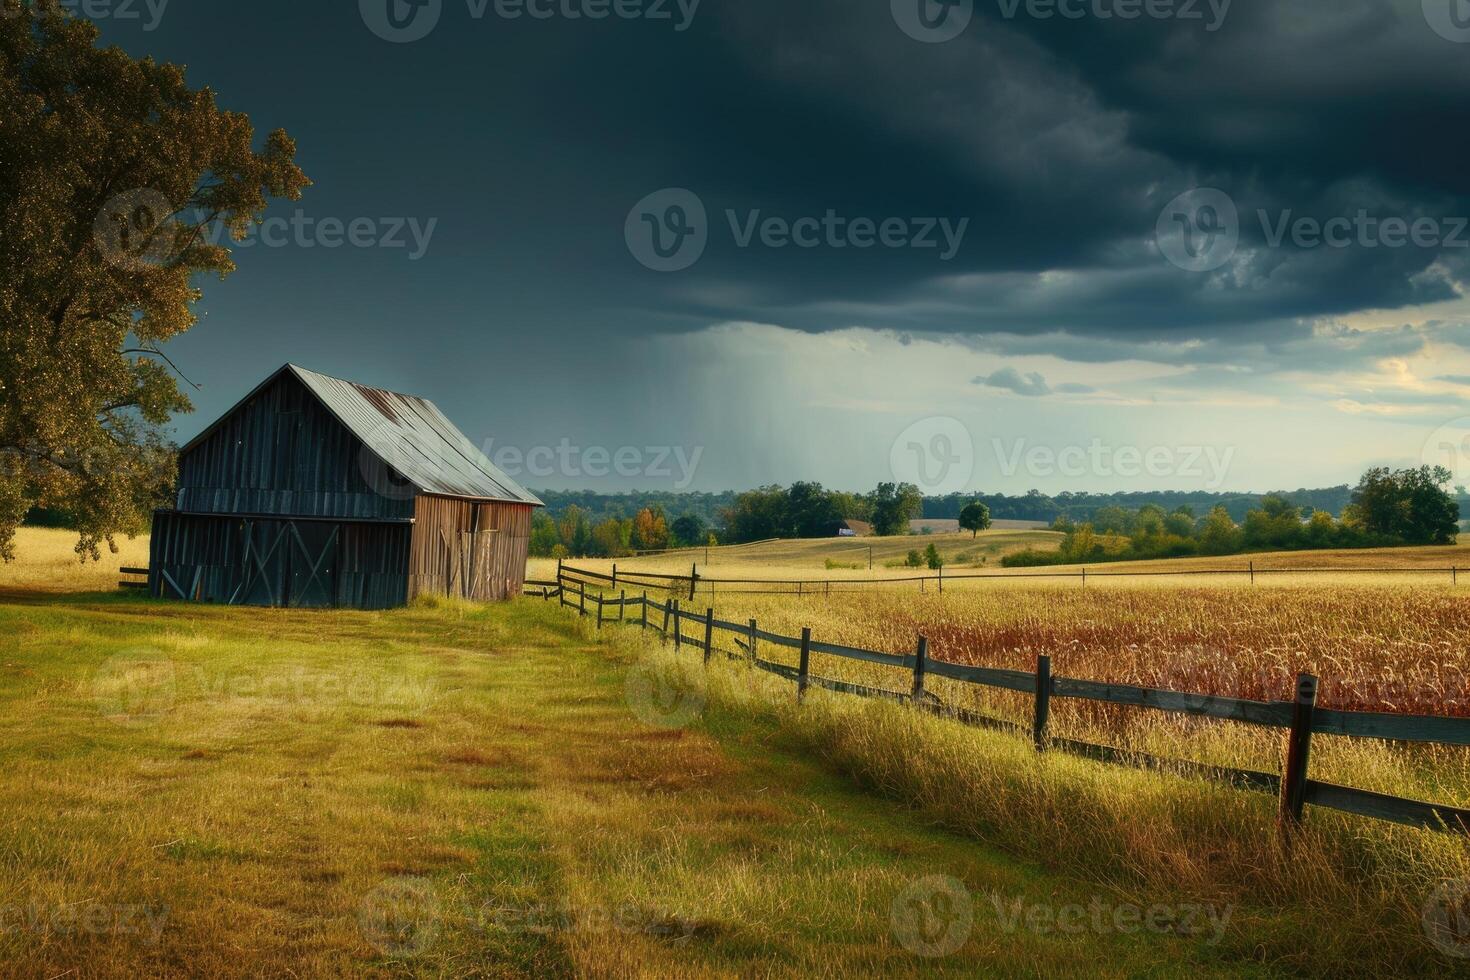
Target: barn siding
[[472, 549], [279, 562], [281, 452]]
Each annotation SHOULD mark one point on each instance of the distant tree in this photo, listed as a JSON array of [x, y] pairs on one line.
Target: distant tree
[[894, 505], [1410, 505], [914, 560], [811, 512], [932, 559], [544, 537], [113, 169], [650, 531], [690, 530], [1112, 519], [975, 518], [612, 538], [756, 515], [575, 531], [1218, 533], [1180, 523]]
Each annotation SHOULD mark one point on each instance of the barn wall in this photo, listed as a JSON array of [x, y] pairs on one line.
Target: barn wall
[[283, 453], [271, 562], [469, 549]]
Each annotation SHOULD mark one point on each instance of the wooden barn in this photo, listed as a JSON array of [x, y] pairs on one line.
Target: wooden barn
[[318, 492]]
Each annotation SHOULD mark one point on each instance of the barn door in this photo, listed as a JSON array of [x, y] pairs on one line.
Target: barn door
[[312, 565]]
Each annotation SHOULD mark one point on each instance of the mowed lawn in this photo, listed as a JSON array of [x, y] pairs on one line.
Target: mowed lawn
[[462, 791]]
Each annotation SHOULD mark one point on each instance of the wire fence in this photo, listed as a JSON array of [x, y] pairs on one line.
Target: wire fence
[[1298, 717]]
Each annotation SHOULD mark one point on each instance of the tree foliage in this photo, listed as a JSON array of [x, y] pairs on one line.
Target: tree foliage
[[975, 518], [112, 169]]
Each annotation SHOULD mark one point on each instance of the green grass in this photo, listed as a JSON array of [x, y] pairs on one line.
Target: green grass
[[452, 790]]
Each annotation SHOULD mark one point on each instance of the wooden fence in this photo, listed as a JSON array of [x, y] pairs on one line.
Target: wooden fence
[[1299, 718], [693, 582]]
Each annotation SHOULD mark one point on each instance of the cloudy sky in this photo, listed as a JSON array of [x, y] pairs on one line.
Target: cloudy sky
[[998, 244]]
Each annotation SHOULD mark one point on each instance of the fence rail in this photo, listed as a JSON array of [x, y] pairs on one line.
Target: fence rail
[[1298, 717], [693, 581]]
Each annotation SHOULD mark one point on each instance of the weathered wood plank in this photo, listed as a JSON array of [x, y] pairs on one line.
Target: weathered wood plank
[[1272, 714], [1009, 680], [1397, 728], [1411, 813]]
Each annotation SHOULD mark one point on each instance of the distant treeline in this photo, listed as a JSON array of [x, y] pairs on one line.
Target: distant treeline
[[1081, 508], [1386, 508]]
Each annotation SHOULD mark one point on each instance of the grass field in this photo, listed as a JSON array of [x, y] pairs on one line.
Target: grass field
[[503, 791]]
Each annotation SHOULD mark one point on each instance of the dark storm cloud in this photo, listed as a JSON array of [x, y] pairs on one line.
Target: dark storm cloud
[[1063, 140]]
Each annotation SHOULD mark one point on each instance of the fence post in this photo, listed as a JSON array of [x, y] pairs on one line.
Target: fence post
[[1455, 575], [558, 571], [709, 635], [1084, 576], [921, 666], [622, 605], [941, 580], [615, 575], [1043, 702], [752, 642], [599, 610], [644, 625], [693, 580], [1298, 753], [678, 627], [582, 600], [805, 671], [1253, 573], [668, 604]]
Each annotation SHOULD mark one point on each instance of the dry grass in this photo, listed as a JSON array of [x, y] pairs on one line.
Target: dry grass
[[48, 562], [448, 790], [1346, 900]]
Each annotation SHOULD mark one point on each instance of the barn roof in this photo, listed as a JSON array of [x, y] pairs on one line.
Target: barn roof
[[409, 434]]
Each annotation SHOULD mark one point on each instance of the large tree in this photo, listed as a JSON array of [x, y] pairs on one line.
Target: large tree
[[1410, 505], [113, 175]]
